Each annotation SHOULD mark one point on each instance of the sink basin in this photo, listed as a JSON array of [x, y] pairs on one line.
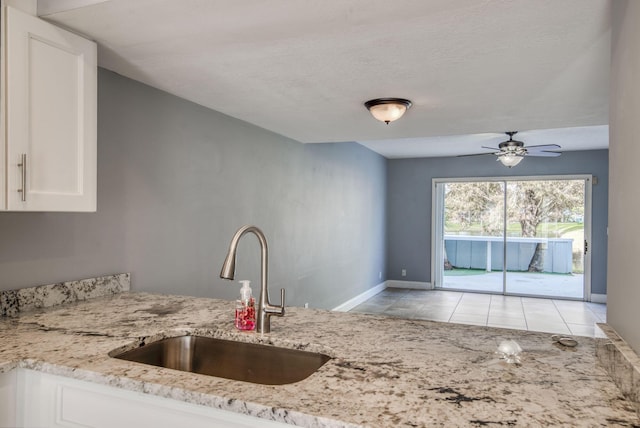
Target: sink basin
[[249, 362]]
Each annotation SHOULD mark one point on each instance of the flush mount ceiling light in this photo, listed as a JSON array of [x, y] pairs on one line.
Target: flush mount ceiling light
[[387, 109]]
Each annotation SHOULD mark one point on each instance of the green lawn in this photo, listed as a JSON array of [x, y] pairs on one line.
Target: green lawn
[[546, 230]]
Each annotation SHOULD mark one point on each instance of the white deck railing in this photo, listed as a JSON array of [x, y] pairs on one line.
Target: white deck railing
[[486, 252]]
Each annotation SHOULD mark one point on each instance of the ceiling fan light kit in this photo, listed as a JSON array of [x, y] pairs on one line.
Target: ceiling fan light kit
[[510, 153], [510, 159], [388, 109]]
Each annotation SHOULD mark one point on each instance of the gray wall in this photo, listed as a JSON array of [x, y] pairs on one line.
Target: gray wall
[[175, 181], [623, 299], [409, 205]]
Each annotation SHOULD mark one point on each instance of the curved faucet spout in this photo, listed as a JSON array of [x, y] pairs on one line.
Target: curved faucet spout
[[229, 266], [265, 309]]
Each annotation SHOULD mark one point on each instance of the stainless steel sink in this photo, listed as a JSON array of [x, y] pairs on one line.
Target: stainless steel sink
[[249, 362]]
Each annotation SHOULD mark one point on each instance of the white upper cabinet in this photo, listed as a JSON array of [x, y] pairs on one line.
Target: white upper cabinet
[[49, 117]]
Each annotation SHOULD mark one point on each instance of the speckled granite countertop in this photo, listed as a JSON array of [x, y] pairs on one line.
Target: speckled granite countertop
[[384, 372]]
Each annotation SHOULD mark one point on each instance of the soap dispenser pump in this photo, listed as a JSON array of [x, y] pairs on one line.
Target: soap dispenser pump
[[245, 308]]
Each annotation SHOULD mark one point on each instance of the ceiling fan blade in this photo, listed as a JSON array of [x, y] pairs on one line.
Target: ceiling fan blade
[[543, 147], [475, 154], [544, 154], [491, 148]]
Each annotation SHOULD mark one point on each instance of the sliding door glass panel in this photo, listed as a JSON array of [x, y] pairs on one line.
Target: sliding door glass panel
[[545, 238], [513, 236], [473, 226]]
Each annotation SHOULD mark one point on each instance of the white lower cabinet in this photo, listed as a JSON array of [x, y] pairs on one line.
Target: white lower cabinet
[[44, 400], [8, 399]]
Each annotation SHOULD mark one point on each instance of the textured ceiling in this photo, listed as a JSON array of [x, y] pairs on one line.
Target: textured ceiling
[[303, 68], [569, 139]]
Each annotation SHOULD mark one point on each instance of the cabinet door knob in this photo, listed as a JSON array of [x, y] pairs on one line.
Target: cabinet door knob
[[23, 165]]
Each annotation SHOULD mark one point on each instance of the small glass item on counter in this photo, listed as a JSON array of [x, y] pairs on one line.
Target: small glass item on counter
[[565, 341], [245, 309], [509, 350]]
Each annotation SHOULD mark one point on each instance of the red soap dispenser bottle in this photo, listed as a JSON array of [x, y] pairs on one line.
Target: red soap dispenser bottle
[[245, 308]]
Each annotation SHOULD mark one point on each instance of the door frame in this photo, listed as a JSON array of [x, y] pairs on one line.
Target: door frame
[[437, 225]]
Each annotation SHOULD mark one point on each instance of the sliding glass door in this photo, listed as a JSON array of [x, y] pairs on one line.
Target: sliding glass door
[[522, 236], [473, 226]]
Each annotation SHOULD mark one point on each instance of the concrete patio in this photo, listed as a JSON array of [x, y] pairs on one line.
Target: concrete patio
[[569, 286]]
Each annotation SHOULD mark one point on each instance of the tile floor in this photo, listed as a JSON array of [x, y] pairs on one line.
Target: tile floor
[[520, 313]]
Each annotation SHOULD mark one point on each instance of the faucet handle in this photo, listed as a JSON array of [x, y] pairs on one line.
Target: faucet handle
[[277, 310], [282, 302]]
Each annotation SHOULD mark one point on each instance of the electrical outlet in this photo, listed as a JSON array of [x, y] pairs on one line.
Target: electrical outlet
[[404, 272], [306, 305], [379, 275]]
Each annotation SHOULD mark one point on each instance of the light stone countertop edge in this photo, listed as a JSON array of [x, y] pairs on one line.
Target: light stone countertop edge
[[384, 371]]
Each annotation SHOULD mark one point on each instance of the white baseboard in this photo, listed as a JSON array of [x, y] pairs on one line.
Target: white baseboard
[[598, 298], [410, 284], [352, 303]]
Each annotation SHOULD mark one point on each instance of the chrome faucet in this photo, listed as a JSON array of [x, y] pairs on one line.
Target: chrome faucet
[[265, 309]]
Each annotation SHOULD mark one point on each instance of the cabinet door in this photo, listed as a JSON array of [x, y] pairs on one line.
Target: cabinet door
[[8, 399], [51, 117], [46, 400]]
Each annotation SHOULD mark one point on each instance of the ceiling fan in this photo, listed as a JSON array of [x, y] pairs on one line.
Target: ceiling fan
[[511, 152]]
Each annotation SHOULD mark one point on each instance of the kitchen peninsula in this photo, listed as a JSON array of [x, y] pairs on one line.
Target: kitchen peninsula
[[383, 373]]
